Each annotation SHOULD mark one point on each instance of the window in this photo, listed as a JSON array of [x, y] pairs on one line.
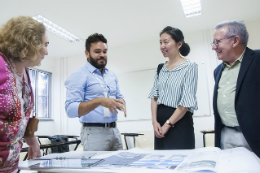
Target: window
[[41, 85]]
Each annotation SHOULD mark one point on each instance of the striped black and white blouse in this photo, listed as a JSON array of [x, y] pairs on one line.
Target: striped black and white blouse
[[177, 87]]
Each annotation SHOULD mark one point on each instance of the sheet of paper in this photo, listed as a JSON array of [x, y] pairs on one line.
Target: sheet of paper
[[231, 161], [205, 159], [107, 154], [68, 155], [159, 161], [122, 158]]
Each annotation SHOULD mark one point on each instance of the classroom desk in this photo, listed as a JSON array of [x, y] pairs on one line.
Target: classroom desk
[[49, 137], [57, 144], [52, 137]]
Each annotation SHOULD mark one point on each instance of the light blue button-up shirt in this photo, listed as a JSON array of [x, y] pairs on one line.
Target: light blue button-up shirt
[[82, 86]]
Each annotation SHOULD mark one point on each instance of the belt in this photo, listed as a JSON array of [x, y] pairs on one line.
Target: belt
[[112, 125], [236, 128]]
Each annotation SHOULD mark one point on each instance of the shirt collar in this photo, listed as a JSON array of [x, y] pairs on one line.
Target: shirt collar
[[180, 66], [238, 60], [92, 69]]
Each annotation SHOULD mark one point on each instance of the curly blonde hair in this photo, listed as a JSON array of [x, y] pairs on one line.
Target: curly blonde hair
[[21, 38]]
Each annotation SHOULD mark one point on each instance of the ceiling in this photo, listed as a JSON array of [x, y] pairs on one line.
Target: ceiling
[[124, 22]]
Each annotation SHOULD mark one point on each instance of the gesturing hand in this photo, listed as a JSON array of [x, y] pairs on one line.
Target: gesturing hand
[[122, 102], [112, 104]]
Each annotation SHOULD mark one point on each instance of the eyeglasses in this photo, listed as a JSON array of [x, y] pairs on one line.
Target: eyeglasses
[[216, 42]]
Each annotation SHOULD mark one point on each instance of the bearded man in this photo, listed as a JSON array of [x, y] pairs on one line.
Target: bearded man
[[93, 95]]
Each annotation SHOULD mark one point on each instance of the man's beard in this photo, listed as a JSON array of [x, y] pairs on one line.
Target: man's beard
[[95, 63]]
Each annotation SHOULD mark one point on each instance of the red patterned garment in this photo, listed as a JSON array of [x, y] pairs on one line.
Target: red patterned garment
[[13, 117]]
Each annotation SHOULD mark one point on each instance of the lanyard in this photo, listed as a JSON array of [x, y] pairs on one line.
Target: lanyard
[[104, 89]]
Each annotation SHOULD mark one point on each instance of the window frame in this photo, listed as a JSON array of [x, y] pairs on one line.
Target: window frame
[[50, 118]]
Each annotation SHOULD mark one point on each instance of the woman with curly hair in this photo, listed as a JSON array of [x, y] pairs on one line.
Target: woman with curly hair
[[23, 44]]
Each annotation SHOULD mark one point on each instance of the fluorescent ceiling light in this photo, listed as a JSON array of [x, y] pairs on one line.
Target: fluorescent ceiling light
[[191, 7], [54, 28]]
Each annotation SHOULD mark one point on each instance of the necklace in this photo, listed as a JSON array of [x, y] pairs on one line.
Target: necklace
[[18, 75]]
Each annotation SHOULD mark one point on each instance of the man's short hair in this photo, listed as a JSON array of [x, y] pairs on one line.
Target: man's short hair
[[93, 39], [235, 28]]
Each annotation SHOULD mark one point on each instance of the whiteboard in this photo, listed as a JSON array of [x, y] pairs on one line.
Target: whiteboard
[[136, 86]]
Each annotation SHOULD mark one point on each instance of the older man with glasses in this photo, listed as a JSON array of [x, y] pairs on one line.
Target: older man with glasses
[[236, 100]]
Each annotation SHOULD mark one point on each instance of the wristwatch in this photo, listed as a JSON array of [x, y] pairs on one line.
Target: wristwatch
[[169, 123]]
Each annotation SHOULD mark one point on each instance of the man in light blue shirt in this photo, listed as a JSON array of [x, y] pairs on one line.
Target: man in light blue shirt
[[93, 95]]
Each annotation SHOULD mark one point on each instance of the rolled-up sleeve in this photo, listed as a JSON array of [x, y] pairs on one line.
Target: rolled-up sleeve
[[189, 98], [155, 90], [75, 87], [118, 92]]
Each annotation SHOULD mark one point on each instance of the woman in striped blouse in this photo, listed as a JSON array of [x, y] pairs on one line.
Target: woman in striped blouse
[[173, 96]]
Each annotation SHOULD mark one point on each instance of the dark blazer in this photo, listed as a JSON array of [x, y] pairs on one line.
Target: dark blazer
[[247, 100]]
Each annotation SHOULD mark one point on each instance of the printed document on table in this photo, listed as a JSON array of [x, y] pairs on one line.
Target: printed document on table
[[231, 161], [204, 159], [209, 159], [69, 155], [143, 159], [158, 161]]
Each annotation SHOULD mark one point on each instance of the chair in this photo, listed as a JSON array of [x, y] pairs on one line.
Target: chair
[[208, 138], [130, 135], [123, 142], [146, 141]]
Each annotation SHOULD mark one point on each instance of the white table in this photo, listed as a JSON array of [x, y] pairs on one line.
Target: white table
[[227, 163]]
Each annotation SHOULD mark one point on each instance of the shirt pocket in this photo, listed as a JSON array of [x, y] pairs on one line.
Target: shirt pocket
[[112, 90], [94, 88]]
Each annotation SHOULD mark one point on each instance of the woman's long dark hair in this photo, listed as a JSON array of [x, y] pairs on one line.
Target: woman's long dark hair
[[177, 35]]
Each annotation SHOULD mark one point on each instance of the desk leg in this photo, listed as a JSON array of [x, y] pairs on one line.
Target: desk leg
[[39, 141], [126, 143], [76, 147], [204, 140], [42, 149], [134, 141], [25, 157]]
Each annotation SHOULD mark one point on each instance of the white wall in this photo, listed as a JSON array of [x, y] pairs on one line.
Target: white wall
[[48, 127], [120, 60], [254, 36]]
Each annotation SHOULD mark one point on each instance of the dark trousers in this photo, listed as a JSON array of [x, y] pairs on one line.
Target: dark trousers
[[181, 136]]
